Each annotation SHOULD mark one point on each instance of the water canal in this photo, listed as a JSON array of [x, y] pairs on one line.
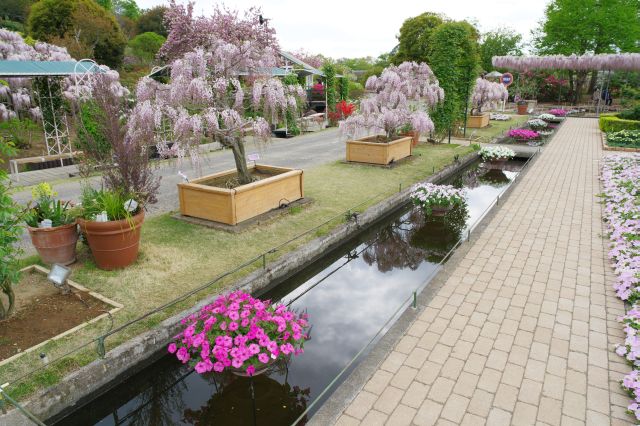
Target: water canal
[[349, 294]]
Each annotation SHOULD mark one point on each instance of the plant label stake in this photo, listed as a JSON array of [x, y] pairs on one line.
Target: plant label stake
[[253, 157]]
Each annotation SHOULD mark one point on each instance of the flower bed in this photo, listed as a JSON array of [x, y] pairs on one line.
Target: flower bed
[[436, 197], [624, 139], [537, 124], [621, 181], [493, 153], [499, 117], [240, 333], [523, 135], [559, 112]]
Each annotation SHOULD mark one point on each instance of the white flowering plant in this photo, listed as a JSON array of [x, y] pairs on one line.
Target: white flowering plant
[[430, 196], [537, 124], [499, 117], [489, 153]]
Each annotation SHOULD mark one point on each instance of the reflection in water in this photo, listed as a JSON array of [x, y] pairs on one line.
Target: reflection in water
[[349, 295]]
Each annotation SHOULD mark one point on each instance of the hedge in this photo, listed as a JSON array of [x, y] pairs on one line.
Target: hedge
[[612, 123]]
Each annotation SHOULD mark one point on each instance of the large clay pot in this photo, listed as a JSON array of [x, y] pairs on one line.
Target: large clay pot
[[415, 137], [113, 244], [56, 245], [522, 109]]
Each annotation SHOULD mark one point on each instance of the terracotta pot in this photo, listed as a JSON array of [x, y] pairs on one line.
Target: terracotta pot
[[113, 244], [56, 245], [522, 109], [415, 136]]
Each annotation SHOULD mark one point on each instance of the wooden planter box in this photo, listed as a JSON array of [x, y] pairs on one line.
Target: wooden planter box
[[232, 206], [364, 151], [478, 121]]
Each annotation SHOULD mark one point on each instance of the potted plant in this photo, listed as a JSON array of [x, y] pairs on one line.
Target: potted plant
[[537, 124], [209, 101], [485, 94], [240, 334], [111, 216], [523, 135], [52, 226], [400, 100], [522, 105], [496, 154], [437, 200], [559, 112], [407, 130], [10, 220]]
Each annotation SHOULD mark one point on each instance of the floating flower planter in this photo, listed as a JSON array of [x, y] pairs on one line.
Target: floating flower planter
[[478, 121], [373, 150], [437, 200], [208, 198], [240, 334], [496, 154]]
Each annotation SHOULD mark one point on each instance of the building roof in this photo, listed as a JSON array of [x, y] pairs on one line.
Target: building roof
[[303, 68], [27, 69], [165, 71]]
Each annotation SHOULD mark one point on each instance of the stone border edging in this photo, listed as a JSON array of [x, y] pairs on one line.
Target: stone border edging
[[88, 382], [606, 147]]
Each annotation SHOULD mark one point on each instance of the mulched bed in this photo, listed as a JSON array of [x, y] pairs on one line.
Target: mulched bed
[[43, 312]]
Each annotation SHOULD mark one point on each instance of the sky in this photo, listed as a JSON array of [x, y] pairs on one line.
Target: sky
[[357, 28]]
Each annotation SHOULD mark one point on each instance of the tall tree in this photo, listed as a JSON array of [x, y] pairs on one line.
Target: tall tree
[[455, 61], [415, 37], [152, 21], [588, 26], [499, 42], [82, 26]]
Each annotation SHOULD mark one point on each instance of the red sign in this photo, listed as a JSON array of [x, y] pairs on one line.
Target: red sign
[[507, 79]]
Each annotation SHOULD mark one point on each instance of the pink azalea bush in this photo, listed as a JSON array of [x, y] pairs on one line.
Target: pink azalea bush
[[621, 181], [558, 112], [239, 332], [522, 134]]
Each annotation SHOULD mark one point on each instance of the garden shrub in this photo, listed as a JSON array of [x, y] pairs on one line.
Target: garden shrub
[[630, 114], [91, 137], [612, 123], [330, 75], [624, 138]]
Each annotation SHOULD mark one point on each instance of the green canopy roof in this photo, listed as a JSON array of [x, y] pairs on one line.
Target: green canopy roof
[[46, 68]]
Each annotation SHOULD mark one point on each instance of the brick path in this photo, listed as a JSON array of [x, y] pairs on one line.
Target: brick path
[[522, 331]]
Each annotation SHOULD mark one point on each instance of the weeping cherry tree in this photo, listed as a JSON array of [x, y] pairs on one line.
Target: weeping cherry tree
[[402, 97]]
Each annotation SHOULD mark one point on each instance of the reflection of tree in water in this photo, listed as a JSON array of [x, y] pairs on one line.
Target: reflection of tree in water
[[407, 243], [232, 404], [495, 177], [162, 397]]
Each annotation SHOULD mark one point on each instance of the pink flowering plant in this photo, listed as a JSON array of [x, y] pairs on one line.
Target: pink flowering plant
[[430, 196], [487, 94], [240, 333], [522, 134], [559, 112]]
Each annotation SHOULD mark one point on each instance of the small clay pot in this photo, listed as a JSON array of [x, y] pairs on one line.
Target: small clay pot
[[114, 244], [522, 109], [57, 244], [415, 136]]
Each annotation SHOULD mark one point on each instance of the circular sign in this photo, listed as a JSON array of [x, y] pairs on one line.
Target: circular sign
[[507, 79]]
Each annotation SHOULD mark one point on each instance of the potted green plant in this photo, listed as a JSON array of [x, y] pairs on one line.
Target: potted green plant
[[52, 226], [112, 216], [111, 222]]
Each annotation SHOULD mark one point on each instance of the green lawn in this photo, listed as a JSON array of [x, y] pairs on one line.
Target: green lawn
[[496, 129], [176, 257]]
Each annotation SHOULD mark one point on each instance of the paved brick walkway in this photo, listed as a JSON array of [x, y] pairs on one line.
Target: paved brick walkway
[[522, 331]]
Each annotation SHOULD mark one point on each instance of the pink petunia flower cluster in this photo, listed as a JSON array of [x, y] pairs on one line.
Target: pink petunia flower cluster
[[240, 332], [621, 182], [558, 112], [525, 134]]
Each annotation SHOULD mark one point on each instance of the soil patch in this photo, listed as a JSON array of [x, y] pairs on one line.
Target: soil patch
[[43, 312], [231, 181], [382, 139]]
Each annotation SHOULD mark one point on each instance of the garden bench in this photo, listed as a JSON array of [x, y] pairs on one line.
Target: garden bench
[[14, 165]]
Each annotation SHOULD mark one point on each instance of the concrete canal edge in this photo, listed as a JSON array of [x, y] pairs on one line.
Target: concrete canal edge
[[348, 389], [90, 381]]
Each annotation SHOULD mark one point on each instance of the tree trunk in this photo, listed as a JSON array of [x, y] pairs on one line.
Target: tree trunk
[[241, 162], [7, 289], [593, 81]]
